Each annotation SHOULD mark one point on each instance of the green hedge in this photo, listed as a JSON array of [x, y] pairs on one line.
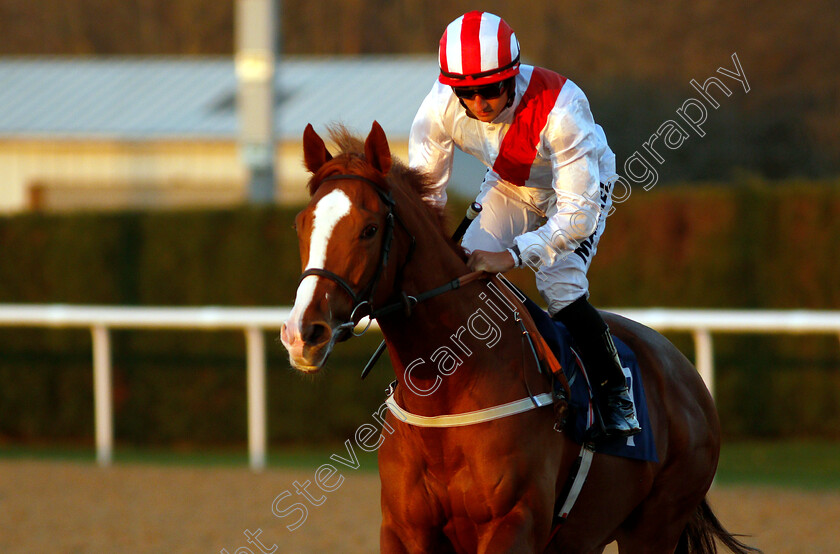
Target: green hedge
[[751, 245], [746, 245]]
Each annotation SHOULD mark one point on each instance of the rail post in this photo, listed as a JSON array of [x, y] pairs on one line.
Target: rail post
[[704, 351], [255, 345], [102, 395]]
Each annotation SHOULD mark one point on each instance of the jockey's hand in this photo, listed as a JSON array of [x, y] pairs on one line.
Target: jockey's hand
[[491, 262]]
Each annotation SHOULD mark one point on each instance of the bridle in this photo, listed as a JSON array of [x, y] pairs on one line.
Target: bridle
[[365, 296]]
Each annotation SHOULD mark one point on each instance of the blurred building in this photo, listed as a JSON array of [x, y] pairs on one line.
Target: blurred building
[[119, 133]]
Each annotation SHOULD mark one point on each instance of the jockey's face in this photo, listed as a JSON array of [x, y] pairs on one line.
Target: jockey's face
[[484, 103], [486, 109]]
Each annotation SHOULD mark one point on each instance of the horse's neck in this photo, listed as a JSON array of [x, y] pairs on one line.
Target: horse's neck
[[459, 351]]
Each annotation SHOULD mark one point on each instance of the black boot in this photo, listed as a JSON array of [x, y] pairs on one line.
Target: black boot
[[617, 414]]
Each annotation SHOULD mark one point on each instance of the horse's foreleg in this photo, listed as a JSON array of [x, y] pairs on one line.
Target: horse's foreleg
[[514, 532], [394, 540], [389, 541], [398, 536]]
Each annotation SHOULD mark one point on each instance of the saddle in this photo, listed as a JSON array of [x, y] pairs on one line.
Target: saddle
[[573, 379]]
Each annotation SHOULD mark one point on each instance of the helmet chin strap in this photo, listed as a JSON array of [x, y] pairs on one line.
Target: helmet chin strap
[[511, 94], [511, 91]]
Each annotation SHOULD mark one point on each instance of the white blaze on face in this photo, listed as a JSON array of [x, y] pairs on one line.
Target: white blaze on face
[[329, 211]]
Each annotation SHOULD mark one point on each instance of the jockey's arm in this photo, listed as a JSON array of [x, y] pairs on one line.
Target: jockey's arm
[[431, 149]]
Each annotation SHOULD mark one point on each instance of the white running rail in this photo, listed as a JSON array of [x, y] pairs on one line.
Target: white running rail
[[254, 321], [100, 319]]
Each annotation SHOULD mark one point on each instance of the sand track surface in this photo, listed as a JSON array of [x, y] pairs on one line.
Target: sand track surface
[[48, 506]]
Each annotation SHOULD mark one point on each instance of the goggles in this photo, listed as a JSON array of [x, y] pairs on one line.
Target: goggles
[[488, 92]]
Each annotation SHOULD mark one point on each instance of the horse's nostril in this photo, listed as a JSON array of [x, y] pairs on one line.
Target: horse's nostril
[[316, 333]]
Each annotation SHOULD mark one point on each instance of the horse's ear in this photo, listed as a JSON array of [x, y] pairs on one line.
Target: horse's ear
[[315, 153], [377, 152]]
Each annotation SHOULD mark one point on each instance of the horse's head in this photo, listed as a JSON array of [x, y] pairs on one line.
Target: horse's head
[[344, 235]]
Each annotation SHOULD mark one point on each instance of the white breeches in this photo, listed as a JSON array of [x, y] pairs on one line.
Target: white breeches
[[509, 211]]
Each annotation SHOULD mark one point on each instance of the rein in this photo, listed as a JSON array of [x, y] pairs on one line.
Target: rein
[[413, 300]]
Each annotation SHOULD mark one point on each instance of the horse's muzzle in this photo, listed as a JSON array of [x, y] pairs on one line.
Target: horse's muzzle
[[308, 345]]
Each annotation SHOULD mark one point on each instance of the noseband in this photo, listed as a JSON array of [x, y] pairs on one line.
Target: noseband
[[365, 297]]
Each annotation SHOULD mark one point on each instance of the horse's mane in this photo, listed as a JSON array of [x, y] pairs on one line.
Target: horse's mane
[[351, 151]]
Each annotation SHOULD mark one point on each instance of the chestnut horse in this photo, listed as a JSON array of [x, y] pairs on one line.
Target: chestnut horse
[[370, 245]]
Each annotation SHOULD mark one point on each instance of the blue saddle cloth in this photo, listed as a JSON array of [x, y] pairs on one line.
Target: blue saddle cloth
[[640, 446]]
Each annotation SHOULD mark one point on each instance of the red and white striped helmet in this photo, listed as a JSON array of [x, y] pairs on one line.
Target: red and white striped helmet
[[478, 48]]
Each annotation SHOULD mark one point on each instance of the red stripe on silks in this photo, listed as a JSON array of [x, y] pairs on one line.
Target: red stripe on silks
[[519, 147], [504, 44], [444, 66], [470, 45]]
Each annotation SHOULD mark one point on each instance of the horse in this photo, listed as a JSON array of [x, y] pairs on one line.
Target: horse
[[370, 245]]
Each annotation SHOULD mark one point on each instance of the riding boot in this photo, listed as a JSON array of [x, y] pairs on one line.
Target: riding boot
[[614, 403]]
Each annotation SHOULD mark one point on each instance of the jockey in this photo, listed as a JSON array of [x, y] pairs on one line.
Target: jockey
[[548, 186]]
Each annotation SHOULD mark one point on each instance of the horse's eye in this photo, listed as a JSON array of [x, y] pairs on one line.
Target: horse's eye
[[369, 231]]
